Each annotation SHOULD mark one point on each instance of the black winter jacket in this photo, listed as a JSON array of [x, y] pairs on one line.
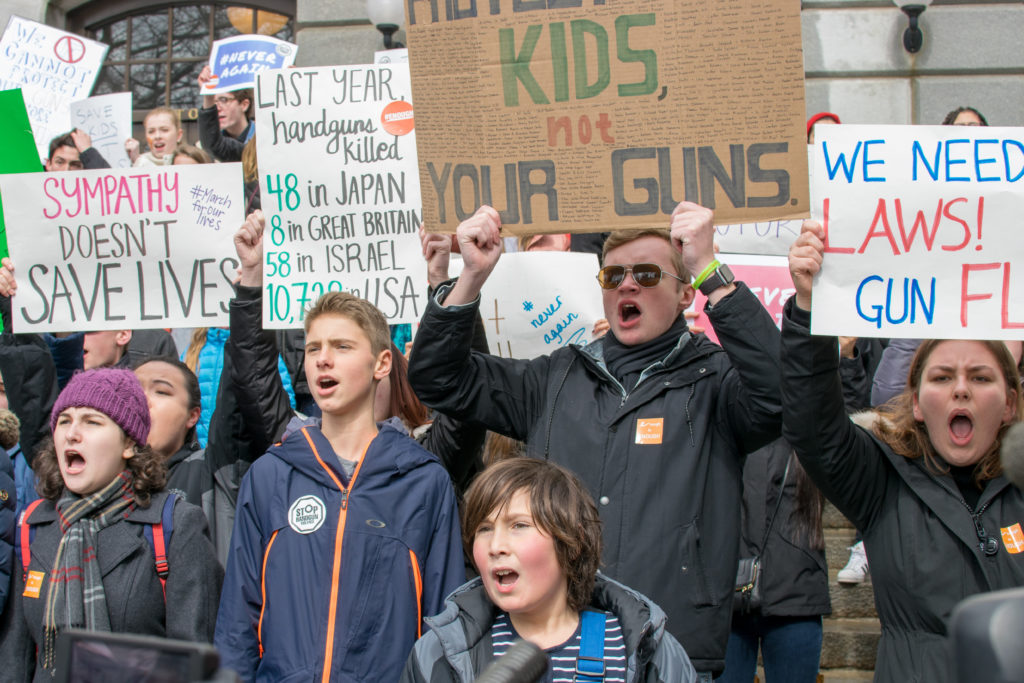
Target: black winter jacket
[[30, 379], [794, 577], [8, 503], [670, 505], [220, 145], [921, 537]]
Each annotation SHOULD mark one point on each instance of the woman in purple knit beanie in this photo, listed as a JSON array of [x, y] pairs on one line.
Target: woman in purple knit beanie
[[106, 548]]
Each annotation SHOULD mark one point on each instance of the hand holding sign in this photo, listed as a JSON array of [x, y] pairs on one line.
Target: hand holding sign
[[437, 250], [805, 257], [8, 286]]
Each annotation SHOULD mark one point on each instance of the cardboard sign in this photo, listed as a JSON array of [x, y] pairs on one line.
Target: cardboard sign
[[108, 121], [584, 116], [236, 61], [19, 147], [535, 302], [766, 276], [923, 226], [53, 68], [338, 181], [119, 249]]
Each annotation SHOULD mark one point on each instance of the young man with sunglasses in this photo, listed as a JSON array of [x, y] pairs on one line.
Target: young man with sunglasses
[[654, 419], [225, 121]]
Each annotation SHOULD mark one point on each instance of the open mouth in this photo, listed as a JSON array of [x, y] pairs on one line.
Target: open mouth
[[961, 429], [628, 313], [506, 578], [73, 462], [326, 383]]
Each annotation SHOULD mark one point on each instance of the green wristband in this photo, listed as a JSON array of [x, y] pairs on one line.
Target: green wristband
[[699, 280]]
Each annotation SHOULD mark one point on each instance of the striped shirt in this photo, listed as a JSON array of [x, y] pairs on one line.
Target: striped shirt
[[562, 658]]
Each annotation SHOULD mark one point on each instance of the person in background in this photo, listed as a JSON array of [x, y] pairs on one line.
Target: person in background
[[821, 118], [73, 151], [534, 535], [190, 154], [163, 135], [964, 116], [225, 121], [8, 519]]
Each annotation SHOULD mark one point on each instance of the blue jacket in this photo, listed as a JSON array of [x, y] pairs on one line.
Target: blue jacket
[[208, 372], [348, 569], [8, 501], [24, 479]]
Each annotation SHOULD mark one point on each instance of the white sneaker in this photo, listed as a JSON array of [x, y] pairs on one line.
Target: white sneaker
[[856, 570]]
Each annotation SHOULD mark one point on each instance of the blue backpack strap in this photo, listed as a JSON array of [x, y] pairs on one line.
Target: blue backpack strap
[[590, 662], [161, 540]]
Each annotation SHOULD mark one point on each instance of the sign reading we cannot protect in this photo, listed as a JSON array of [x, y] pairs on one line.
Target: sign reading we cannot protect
[[923, 229], [586, 115]]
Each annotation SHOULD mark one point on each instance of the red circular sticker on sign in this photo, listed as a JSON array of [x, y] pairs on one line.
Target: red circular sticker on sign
[[397, 118], [69, 49]]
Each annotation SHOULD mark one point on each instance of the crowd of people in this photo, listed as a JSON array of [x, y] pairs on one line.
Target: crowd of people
[[313, 502]]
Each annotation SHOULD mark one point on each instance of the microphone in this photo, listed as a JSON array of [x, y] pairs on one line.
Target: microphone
[[1011, 453], [523, 663]]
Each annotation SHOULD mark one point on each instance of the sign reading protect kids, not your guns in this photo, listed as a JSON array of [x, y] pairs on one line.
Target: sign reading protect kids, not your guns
[[340, 190], [123, 249], [924, 228]]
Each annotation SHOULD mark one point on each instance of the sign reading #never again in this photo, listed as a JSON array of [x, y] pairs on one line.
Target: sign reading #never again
[[587, 115], [114, 249], [923, 228]]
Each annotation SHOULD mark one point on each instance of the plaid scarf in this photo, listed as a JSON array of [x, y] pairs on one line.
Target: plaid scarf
[[76, 598]]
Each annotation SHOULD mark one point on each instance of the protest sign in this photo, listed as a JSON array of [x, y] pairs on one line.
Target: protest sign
[[923, 229], [19, 147], [771, 238], [339, 186], [53, 68], [122, 249], [575, 116], [534, 302], [766, 276], [236, 61], [108, 121], [396, 54]]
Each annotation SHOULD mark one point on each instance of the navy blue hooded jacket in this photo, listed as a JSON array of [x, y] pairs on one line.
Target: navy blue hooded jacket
[[330, 579]]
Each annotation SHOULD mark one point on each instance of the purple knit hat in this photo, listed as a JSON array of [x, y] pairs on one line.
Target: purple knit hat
[[114, 392]]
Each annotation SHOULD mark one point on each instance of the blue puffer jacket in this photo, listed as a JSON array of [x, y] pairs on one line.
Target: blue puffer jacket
[[208, 371], [8, 501], [330, 573], [24, 479]]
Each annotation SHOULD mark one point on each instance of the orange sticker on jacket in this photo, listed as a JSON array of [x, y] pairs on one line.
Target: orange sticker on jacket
[[33, 584], [649, 431], [1013, 538]]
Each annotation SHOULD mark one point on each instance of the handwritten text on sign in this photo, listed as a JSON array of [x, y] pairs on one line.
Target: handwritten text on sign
[[113, 249], [924, 229], [340, 189], [108, 121], [235, 61], [586, 115], [536, 302], [53, 69]]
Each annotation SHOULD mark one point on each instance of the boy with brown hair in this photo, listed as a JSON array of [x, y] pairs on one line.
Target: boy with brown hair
[[346, 533]]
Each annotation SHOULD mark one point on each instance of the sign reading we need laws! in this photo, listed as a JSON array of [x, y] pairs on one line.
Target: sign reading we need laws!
[[118, 249], [924, 232], [339, 187], [589, 115]]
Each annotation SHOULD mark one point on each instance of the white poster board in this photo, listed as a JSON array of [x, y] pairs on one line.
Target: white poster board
[[535, 302], [53, 68], [236, 61], [108, 121], [924, 232], [340, 188], [123, 249]]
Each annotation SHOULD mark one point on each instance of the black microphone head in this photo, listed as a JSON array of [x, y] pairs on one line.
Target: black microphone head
[[1012, 454], [523, 663]]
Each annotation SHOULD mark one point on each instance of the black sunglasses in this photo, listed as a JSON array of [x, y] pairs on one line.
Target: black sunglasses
[[644, 274]]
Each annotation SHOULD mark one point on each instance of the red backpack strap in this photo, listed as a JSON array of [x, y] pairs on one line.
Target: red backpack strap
[[25, 531], [160, 537]]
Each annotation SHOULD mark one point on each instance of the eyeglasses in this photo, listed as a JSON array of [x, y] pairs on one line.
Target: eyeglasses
[[223, 101], [644, 274]]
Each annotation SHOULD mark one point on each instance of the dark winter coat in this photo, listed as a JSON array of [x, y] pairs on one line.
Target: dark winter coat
[[134, 597], [670, 506], [318, 572], [921, 537], [8, 503], [221, 146], [190, 475], [30, 379], [458, 646], [794, 576]]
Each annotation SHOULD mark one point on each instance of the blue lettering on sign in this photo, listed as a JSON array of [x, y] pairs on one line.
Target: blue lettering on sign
[[556, 333], [913, 297], [546, 314]]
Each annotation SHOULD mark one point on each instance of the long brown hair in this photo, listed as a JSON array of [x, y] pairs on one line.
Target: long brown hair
[[909, 438], [147, 467], [404, 402]]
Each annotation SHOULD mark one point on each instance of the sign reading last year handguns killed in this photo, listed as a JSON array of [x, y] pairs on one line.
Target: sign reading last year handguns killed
[[586, 115], [339, 187]]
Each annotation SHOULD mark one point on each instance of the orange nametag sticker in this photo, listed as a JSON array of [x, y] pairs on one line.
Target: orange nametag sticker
[[1013, 539], [33, 584], [649, 431]]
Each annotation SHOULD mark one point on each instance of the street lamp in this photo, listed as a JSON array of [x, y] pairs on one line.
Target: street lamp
[[913, 38], [388, 16]]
